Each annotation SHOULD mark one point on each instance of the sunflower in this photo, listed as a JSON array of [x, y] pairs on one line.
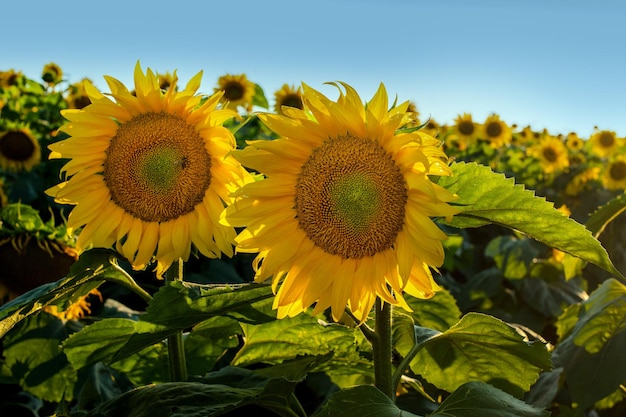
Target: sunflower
[[551, 153], [149, 173], [614, 176], [288, 96], [237, 90], [77, 96], [52, 74], [343, 215], [9, 78], [19, 150], [604, 143], [165, 80], [465, 131], [574, 142], [496, 132]]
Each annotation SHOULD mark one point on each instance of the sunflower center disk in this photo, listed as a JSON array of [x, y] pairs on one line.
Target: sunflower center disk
[[157, 167], [351, 197], [618, 171], [550, 154], [17, 146]]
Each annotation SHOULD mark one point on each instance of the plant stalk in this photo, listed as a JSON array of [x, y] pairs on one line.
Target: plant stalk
[[382, 349], [175, 344]]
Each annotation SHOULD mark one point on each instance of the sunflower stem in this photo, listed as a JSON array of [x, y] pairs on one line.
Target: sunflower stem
[[175, 343], [382, 349]]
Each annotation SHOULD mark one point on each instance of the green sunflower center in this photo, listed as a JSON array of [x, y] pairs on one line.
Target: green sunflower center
[[16, 145], [493, 129], [466, 127], [351, 197], [550, 154], [618, 170], [157, 167], [233, 91]]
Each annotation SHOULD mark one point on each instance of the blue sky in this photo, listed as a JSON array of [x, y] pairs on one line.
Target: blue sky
[[552, 64]]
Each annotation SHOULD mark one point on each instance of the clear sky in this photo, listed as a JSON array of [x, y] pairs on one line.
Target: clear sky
[[555, 64]]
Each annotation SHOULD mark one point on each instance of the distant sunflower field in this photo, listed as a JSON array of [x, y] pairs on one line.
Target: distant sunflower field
[[171, 252]]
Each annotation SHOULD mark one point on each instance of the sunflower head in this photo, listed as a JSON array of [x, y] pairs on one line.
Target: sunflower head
[[496, 131], [551, 153], [149, 172], [343, 215], [289, 96], [614, 176], [604, 143], [52, 74], [165, 80], [77, 96], [9, 78], [19, 150], [237, 91]]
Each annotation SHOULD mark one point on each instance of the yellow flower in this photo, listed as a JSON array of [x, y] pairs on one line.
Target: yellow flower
[[496, 132], [149, 173], [551, 153], [288, 96], [77, 96], [9, 78], [614, 176], [52, 74], [465, 131], [344, 213], [238, 91], [19, 150], [578, 183], [165, 80], [574, 142], [604, 143]]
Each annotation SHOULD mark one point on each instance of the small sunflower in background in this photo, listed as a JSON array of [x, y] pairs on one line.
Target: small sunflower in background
[[149, 173], [166, 80], [9, 78], [496, 132], [289, 96], [465, 131], [237, 91], [19, 149], [614, 175], [77, 97], [604, 143], [574, 142], [52, 74], [551, 153], [577, 184], [344, 213]]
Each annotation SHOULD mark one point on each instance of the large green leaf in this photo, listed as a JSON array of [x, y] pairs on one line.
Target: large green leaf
[[479, 399], [227, 391], [481, 348], [486, 197], [283, 340], [439, 312], [33, 358], [592, 352], [91, 270], [362, 401], [175, 307]]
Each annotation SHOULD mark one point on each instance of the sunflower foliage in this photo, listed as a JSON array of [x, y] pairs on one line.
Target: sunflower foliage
[[530, 319]]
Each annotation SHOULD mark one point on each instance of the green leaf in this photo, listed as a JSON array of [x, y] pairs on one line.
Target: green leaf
[[481, 348], [175, 307], [479, 399], [32, 356], [362, 401], [219, 393], [486, 197], [439, 312], [605, 214], [89, 272], [592, 352], [512, 256], [288, 338], [259, 98]]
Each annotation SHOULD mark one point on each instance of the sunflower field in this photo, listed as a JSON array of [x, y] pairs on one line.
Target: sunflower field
[[170, 252]]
